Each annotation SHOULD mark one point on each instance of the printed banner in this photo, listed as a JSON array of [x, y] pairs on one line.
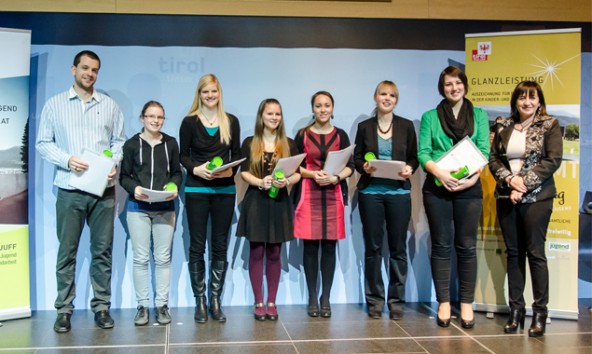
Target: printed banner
[[14, 229], [496, 62]]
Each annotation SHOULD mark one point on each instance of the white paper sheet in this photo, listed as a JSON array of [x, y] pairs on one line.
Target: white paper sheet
[[388, 169], [336, 160], [228, 165], [94, 179], [155, 196], [464, 153], [289, 164]]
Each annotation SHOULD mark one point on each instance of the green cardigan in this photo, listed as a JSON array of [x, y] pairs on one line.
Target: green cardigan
[[433, 141]]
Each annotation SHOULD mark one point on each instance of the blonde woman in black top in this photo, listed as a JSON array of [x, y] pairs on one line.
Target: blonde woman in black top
[[208, 132]]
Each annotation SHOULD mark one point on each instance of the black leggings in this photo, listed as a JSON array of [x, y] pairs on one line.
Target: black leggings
[[453, 221], [311, 268]]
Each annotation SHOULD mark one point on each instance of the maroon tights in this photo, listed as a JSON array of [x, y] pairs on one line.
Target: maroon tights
[[273, 268]]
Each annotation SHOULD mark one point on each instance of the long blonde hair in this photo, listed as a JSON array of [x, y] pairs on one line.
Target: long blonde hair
[[282, 147], [197, 106]]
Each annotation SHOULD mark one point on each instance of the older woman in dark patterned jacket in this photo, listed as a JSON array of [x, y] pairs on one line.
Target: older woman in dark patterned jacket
[[526, 151]]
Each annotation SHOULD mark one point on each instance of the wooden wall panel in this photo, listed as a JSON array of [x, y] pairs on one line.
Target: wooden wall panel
[[540, 10]]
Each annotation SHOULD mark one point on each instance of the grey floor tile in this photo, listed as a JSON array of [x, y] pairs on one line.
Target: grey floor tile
[[235, 349], [103, 350], [247, 329], [514, 344], [454, 346], [335, 329], [566, 342], [360, 346], [118, 336]]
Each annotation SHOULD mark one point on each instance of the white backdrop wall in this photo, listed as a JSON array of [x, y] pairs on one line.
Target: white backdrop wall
[[134, 75]]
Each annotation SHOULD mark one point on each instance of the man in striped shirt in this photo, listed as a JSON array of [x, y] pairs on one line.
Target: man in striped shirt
[[77, 119]]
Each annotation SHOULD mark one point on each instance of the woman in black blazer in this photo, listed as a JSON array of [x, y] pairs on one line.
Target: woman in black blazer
[[526, 151], [388, 137]]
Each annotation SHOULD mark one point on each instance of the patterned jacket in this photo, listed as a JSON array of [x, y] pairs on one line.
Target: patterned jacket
[[543, 156]]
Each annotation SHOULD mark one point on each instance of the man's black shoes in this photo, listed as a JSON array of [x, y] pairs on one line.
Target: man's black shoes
[[104, 320], [62, 323]]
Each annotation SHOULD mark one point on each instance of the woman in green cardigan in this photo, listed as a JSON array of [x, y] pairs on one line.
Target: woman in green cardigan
[[453, 209]]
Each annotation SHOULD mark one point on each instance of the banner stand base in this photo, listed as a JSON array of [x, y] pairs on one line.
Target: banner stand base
[[15, 313]]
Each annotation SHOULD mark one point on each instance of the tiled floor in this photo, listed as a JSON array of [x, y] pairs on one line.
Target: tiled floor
[[348, 331]]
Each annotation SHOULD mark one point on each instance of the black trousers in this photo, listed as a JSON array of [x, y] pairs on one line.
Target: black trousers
[[524, 227], [453, 221], [375, 209], [220, 208]]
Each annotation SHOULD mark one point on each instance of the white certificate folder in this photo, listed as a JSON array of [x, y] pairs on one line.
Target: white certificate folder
[[289, 164], [337, 160], [94, 180], [464, 153]]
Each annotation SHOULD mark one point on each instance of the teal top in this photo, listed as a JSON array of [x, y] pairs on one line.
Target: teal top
[[212, 131], [230, 189], [433, 141], [384, 186]]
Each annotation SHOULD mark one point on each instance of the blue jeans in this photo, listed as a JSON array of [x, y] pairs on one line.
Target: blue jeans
[[157, 226]]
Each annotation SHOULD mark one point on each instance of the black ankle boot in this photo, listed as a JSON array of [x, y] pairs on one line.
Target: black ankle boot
[[217, 275], [539, 322], [201, 310], [516, 320], [197, 275]]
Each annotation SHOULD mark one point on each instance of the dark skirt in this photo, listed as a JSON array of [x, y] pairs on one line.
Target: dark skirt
[[263, 219]]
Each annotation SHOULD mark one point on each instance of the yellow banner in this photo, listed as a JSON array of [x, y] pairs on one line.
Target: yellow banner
[[14, 266], [496, 63]]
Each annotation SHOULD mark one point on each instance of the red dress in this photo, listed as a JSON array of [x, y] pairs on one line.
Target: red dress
[[319, 213]]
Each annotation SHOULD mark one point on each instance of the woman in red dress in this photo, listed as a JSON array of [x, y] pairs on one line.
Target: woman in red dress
[[319, 216]]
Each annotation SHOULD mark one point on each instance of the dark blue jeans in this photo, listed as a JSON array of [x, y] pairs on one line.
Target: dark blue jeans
[[73, 209], [453, 221], [375, 210]]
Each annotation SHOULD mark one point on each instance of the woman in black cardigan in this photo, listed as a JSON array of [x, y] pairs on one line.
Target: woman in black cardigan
[[208, 132], [388, 137], [526, 151]]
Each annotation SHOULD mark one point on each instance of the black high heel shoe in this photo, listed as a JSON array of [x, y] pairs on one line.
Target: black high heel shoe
[[326, 311], [467, 324], [539, 322], [325, 307], [443, 323], [313, 310], [516, 320]]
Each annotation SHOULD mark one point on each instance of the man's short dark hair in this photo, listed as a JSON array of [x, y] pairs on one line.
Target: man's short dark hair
[[87, 53]]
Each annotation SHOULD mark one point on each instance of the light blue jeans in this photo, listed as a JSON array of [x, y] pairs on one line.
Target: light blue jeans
[[158, 227]]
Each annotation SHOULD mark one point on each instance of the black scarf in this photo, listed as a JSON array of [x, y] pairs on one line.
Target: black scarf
[[460, 127]]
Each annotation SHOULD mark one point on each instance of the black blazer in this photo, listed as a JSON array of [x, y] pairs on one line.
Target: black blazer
[[404, 146], [543, 156]]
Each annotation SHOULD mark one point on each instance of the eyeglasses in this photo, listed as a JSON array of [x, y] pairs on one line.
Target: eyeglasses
[[152, 116]]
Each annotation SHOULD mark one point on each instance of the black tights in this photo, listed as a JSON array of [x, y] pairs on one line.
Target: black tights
[[311, 268]]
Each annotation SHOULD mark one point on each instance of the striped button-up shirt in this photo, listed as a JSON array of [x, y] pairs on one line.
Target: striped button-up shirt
[[68, 125]]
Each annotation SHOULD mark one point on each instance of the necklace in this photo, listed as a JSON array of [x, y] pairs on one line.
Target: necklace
[[210, 122], [385, 132]]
